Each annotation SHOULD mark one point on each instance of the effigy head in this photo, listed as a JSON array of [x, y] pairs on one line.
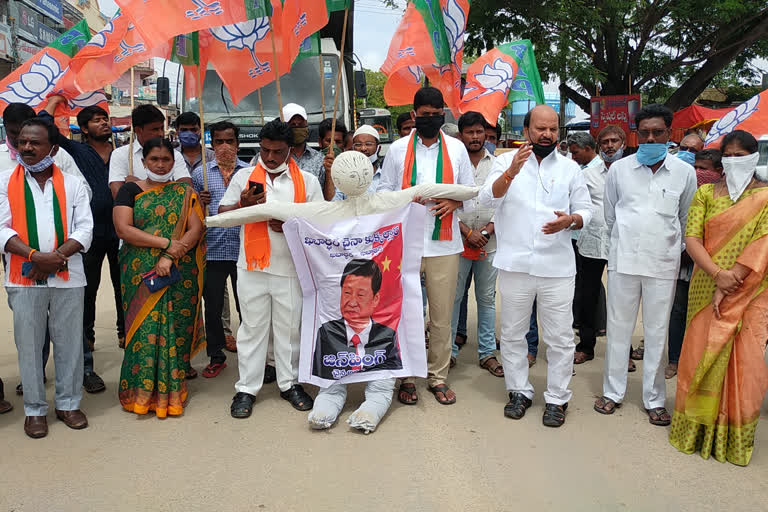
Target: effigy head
[[352, 173]]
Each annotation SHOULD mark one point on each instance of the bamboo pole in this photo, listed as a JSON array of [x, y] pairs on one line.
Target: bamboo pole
[[322, 81], [261, 108], [338, 78], [202, 132], [277, 70], [130, 138]]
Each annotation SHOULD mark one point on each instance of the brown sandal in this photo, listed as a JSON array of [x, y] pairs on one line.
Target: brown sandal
[[407, 394], [582, 357], [605, 405], [659, 416], [444, 389], [493, 366]]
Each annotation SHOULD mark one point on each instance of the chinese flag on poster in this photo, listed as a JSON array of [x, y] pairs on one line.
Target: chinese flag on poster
[[390, 261]]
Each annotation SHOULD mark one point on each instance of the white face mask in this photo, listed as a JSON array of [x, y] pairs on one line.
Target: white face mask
[[159, 178], [374, 158], [280, 168], [739, 171]]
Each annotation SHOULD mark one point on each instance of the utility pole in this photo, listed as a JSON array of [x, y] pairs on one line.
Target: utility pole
[[14, 37]]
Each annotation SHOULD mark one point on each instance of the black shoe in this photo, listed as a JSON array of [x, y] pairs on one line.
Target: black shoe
[[242, 405], [517, 405], [270, 374], [92, 383], [554, 415], [299, 398]]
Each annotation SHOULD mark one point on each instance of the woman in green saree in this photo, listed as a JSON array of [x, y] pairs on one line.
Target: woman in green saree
[[722, 376], [161, 224]]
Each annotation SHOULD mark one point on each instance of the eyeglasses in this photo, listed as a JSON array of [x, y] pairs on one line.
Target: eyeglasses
[[656, 133], [690, 149], [361, 145]]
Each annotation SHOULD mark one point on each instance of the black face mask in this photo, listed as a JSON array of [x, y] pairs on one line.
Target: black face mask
[[429, 126], [542, 150]]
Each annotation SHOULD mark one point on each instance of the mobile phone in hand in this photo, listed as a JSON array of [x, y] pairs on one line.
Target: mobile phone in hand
[[256, 185]]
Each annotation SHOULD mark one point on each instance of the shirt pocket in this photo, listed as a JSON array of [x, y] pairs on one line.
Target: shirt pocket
[[667, 203], [558, 197]]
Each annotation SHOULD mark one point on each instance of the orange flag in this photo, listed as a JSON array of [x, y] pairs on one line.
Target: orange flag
[[489, 80], [750, 116], [429, 42]]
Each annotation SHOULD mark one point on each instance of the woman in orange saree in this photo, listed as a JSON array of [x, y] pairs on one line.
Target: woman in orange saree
[[722, 376]]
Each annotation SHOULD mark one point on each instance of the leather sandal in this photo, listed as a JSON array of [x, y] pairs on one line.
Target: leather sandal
[[213, 369], [517, 405], [554, 415], [605, 405], [582, 357], [242, 405], [408, 390], [493, 366], [444, 389], [659, 416], [299, 398]]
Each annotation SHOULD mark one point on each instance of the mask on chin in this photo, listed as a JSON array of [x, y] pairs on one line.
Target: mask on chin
[[160, 178], [277, 170], [618, 155], [543, 150]]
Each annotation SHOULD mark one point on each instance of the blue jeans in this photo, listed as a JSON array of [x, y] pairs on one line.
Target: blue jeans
[[485, 294], [532, 337]]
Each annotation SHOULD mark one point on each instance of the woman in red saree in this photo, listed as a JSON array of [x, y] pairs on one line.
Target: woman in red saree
[[722, 376]]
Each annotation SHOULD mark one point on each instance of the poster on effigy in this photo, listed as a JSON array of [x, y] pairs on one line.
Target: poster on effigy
[[362, 316]]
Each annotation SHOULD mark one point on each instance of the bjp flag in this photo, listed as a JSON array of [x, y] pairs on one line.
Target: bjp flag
[[499, 76], [751, 116], [111, 52], [429, 42]]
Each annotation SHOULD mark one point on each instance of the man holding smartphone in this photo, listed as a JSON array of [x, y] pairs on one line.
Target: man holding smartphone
[[539, 196], [269, 291]]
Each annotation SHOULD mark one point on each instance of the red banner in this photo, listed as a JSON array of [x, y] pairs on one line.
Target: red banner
[[616, 110]]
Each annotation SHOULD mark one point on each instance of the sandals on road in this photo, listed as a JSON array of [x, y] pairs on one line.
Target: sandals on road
[[493, 366], [407, 394]]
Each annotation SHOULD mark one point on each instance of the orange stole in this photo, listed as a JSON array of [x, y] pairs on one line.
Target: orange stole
[[17, 203], [256, 234]]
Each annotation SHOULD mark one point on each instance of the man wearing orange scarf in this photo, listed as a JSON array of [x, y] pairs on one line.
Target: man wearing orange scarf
[[45, 223], [427, 155], [267, 285]]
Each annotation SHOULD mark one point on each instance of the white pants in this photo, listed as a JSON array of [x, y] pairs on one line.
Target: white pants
[[624, 294], [268, 303], [554, 302], [330, 401]]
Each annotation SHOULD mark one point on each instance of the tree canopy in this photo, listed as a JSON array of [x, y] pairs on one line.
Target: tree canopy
[[654, 46]]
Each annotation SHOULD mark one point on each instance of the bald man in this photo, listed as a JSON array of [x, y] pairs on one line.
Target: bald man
[[539, 196], [689, 146]]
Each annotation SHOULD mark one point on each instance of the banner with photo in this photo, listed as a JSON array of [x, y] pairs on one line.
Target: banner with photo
[[362, 316]]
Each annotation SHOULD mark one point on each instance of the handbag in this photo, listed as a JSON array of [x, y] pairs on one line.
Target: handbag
[[155, 282]]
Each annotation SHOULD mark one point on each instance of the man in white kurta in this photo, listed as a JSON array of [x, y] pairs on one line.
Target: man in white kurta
[[440, 263], [270, 296], [646, 202], [538, 195]]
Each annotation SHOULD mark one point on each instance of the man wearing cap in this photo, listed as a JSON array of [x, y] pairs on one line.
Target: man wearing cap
[[309, 160], [366, 141]]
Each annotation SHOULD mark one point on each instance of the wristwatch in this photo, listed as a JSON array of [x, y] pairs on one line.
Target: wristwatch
[[485, 233]]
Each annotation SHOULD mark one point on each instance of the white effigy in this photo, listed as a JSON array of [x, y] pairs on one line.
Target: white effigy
[[379, 238]]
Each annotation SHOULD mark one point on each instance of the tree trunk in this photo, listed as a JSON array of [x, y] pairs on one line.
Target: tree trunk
[[571, 94]]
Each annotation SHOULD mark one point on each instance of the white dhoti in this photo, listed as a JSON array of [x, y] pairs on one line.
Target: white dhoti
[[554, 301], [330, 401], [269, 304], [624, 294]]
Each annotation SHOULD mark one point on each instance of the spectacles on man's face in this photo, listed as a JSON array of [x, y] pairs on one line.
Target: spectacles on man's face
[[656, 133], [361, 145], [690, 149]]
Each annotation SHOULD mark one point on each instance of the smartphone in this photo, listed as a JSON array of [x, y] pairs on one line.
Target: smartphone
[[258, 186]]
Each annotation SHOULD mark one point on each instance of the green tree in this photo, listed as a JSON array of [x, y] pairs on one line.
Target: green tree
[[668, 49], [375, 81]]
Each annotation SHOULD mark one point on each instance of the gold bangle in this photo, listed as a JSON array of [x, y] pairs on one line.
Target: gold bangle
[[714, 277]]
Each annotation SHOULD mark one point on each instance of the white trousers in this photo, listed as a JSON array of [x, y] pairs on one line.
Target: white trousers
[[268, 303], [554, 301], [330, 401], [624, 294]]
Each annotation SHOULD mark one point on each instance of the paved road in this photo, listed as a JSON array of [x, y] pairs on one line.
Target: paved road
[[423, 458]]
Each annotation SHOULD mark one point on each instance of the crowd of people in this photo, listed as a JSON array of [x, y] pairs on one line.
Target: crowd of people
[[684, 233]]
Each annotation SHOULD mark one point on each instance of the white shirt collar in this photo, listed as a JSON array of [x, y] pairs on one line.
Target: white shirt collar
[[363, 335]]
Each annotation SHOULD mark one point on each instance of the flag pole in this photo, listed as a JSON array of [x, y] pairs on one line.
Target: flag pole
[[277, 71], [130, 138], [202, 132], [338, 77], [261, 108], [322, 80]]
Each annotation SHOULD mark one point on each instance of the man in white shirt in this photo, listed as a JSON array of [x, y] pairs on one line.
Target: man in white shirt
[[148, 122], [539, 196], [267, 284], [44, 272], [413, 160], [647, 196], [592, 248]]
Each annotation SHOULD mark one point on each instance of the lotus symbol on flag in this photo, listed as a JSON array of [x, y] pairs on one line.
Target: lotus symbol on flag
[[34, 85], [100, 39], [245, 35], [87, 99], [494, 78], [728, 122], [455, 19]]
